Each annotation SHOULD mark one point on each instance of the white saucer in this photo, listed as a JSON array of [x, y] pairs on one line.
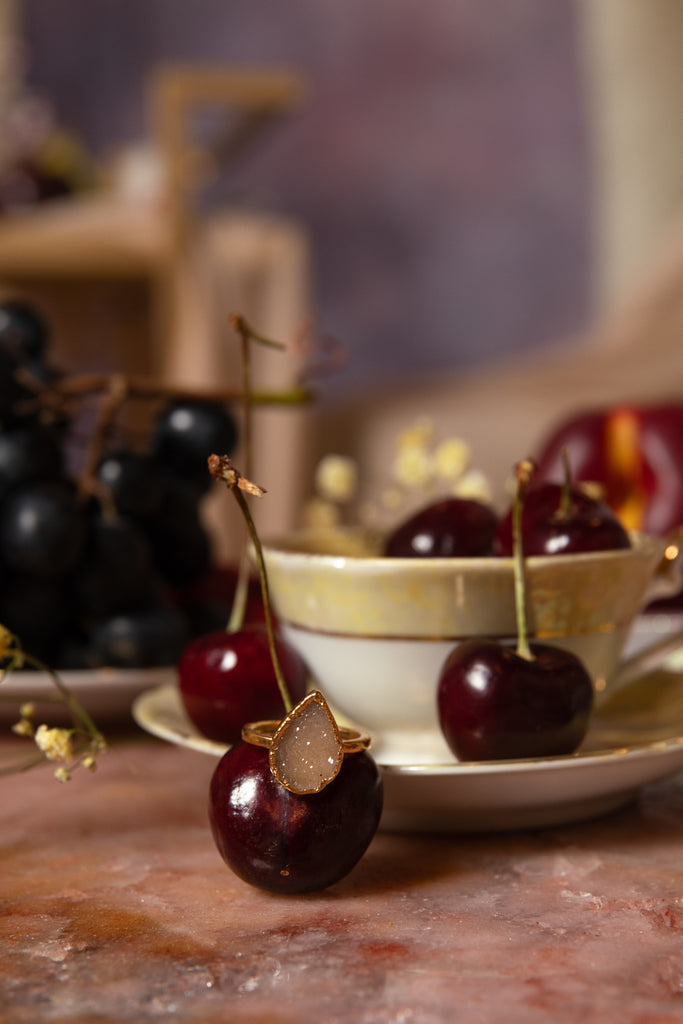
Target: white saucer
[[105, 693], [636, 740]]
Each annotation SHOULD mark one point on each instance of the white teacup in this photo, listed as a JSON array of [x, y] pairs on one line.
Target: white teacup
[[375, 631]]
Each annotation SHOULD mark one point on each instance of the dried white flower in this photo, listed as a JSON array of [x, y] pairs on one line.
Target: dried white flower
[[24, 727], [55, 743], [320, 513], [6, 642], [392, 498], [420, 434], [413, 466], [451, 458], [62, 774], [473, 484], [336, 478]]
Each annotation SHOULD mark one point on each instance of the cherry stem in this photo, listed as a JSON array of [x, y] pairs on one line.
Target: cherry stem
[[524, 472], [240, 598], [245, 329], [246, 334], [565, 506], [265, 593], [221, 468]]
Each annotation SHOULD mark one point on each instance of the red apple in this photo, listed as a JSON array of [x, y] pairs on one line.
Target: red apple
[[634, 452]]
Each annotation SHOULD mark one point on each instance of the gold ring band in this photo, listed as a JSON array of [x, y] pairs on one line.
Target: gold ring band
[[260, 734]]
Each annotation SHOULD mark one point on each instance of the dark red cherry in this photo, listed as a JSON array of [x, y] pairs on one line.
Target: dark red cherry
[[227, 679], [548, 528], [494, 704], [450, 528], [287, 843]]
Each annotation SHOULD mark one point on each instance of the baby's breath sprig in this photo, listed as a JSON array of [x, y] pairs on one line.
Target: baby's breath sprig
[[423, 468], [424, 462], [336, 486], [68, 748]]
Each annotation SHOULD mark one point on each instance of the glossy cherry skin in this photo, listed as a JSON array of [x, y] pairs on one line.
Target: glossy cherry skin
[[450, 528], [227, 679], [286, 843], [494, 704], [589, 524]]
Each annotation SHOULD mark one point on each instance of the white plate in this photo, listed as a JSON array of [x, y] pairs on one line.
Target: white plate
[[105, 693], [636, 740]]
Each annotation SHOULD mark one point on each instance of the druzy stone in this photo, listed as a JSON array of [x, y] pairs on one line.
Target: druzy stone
[[306, 753]]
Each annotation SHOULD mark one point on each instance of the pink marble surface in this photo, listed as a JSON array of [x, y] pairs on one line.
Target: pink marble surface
[[116, 907]]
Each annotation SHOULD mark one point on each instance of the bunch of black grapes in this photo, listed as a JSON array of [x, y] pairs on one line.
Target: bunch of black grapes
[[99, 579]]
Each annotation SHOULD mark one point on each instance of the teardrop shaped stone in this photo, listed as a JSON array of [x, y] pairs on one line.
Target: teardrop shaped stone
[[306, 753]]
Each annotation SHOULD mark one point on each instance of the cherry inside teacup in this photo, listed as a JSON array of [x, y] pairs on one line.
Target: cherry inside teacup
[[375, 631]]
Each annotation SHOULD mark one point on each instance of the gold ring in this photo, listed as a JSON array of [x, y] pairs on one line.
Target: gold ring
[[260, 734]]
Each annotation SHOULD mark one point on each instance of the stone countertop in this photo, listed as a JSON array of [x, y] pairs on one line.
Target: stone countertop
[[117, 907]]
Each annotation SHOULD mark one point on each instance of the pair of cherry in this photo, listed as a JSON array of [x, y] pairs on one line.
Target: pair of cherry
[[273, 838], [497, 702], [493, 702], [290, 823]]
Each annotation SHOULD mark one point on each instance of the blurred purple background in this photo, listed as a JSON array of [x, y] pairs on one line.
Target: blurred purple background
[[440, 163]]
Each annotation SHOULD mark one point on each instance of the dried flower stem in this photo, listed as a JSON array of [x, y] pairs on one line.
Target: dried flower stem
[[15, 657], [76, 709], [22, 766]]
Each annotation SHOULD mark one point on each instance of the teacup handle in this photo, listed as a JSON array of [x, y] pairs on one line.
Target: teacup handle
[[668, 578], [667, 581], [645, 661]]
